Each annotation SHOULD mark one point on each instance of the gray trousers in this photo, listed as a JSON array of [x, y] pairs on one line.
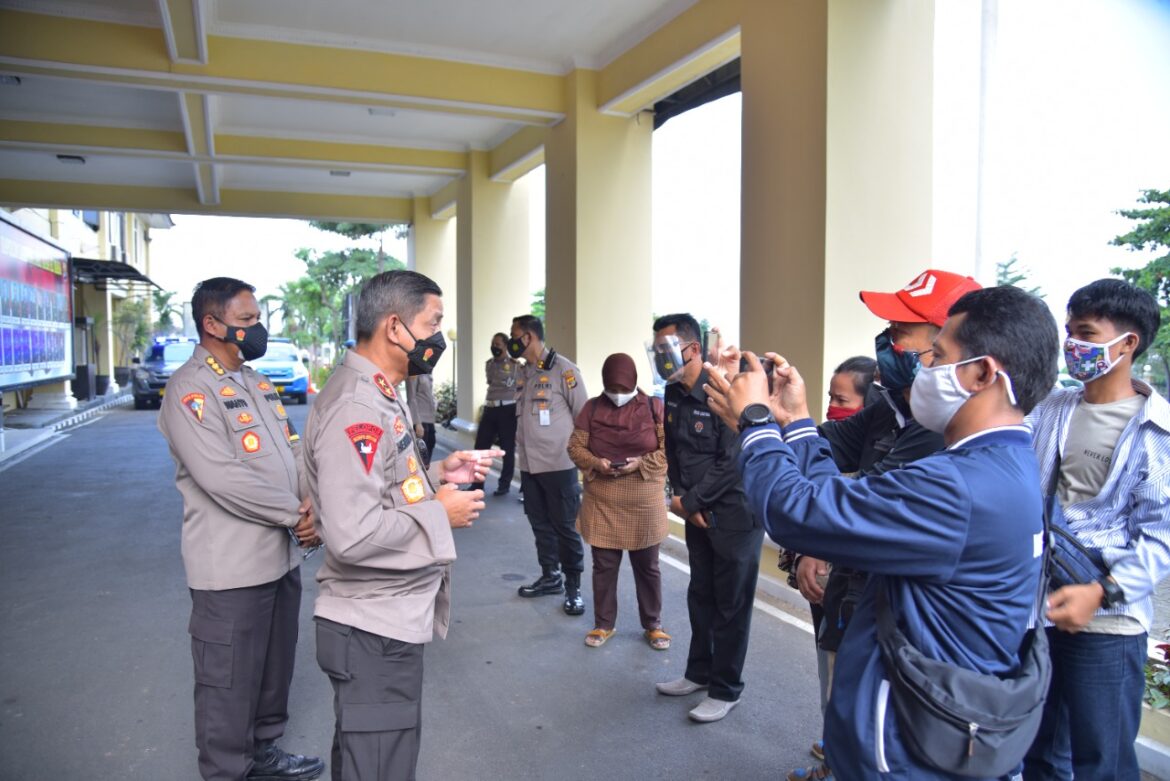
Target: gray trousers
[[243, 642], [377, 702]]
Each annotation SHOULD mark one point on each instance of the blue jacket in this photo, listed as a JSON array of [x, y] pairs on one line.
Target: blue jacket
[[955, 538]]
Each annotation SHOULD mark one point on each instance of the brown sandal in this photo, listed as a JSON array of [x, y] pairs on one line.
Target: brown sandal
[[596, 638], [658, 640]]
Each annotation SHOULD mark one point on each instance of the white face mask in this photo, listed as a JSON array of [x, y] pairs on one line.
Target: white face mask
[[937, 394], [620, 399]]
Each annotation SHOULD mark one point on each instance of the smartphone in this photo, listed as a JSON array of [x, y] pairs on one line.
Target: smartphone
[[619, 464], [768, 365]]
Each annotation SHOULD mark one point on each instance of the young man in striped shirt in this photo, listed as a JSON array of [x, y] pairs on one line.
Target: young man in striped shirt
[[1109, 443]]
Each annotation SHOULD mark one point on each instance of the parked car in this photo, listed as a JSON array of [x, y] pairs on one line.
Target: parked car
[[282, 365], [150, 377]]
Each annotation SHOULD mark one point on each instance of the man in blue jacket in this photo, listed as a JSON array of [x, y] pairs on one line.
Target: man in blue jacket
[[953, 539]]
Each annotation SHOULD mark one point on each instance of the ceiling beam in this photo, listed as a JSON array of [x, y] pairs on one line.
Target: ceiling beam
[[109, 53], [195, 109], [181, 200], [692, 44], [251, 150], [517, 155], [184, 31]]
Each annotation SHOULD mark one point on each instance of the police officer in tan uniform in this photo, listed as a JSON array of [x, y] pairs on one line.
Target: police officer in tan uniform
[[497, 422], [238, 460], [551, 395], [385, 584]]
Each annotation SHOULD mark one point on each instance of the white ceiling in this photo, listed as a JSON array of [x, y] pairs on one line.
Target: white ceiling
[[543, 36]]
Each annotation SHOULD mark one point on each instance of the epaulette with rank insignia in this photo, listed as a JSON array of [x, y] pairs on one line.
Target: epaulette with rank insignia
[[215, 367]]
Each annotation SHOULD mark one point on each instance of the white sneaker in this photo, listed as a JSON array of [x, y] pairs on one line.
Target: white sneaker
[[679, 687], [711, 710]]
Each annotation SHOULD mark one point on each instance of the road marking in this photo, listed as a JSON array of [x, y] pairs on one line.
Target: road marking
[[44, 444], [759, 604]]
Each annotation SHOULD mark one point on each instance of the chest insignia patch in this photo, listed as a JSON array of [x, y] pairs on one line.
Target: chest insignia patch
[[227, 391], [570, 379], [698, 427], [412, 464], [215, 367], [280, 409], [251, 442], [194, 402], [399, 427], [245, 418], [365, 438], [264, 386], [413, 489], [384, 386], [543, 379]]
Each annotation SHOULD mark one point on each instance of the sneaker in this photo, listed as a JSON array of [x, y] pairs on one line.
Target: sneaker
[[711, 710], [679, 687]]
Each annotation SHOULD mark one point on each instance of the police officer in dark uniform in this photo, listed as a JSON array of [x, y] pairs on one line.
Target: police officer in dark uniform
[[723, 537], [498, 420]]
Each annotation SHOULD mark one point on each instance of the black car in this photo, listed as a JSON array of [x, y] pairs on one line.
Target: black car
[[150, 377]]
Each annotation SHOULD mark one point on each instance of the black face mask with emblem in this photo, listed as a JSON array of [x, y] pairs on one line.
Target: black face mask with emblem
[[252, 340], [516, 347], [425, 353]]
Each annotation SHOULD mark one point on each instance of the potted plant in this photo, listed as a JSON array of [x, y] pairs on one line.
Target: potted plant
[[131, 325], [1155, 713]]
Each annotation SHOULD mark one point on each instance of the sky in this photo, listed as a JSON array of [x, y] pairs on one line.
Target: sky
[[1080, 107]]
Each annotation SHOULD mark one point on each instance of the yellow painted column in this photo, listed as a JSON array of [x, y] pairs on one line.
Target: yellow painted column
[[432, 252], [492, 273], [598, 263], [859, 166]]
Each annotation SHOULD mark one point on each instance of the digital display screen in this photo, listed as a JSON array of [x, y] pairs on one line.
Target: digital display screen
[[36, 310]]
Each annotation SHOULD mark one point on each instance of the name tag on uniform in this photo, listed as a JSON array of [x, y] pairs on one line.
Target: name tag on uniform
[[545, 417]]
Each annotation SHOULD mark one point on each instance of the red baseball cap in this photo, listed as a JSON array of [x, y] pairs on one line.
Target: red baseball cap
[[925, 300]]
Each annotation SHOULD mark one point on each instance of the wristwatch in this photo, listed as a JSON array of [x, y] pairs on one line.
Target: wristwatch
[[1113, 594], [755, 415]]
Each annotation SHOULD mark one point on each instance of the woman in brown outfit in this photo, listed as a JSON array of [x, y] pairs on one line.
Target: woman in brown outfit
[[618, 443]]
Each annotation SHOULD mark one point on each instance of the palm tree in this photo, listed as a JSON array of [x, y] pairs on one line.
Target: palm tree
[[164, 309]]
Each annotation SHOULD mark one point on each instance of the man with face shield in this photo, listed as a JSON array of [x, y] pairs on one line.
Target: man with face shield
[[723, 536], [953, 541], [239, 471], [550, 393], [385, 584], [883, 436]]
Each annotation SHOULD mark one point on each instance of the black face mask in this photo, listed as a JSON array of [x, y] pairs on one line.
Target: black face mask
[[425, 353], [497, 351], [252, 340], [516, 347]]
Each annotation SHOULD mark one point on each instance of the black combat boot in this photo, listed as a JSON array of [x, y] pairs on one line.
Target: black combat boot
[[548, 583], [574, 605], [269, 763]]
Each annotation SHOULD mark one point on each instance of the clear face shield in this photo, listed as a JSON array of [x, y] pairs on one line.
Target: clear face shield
[[666, 359]]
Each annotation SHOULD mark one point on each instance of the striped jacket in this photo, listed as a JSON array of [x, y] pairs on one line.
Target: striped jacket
[[1129, 521]]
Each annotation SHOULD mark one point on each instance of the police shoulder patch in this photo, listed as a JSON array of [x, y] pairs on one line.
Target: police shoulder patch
[[365, 438], [194, 402], [570, 378]]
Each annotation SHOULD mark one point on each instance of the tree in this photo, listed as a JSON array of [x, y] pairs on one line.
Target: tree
[[165, 310], [1006, 273], [131, 326], [361, 230], [538, 308], [1151, 234]]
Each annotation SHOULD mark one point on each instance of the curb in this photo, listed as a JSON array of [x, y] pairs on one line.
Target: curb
[[123, 400]]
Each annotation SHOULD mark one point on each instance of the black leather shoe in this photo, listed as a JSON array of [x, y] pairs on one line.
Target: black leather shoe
[[272, 764], [548, 583], [501, 491], [574, 604]]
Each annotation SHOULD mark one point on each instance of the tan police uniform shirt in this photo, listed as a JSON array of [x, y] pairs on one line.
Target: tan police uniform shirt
[[388, 544], [420, 398], [551, 394], [237, 460], [501, 379]]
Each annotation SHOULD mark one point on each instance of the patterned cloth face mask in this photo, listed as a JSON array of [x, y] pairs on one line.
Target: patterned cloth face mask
[[1088, 361]]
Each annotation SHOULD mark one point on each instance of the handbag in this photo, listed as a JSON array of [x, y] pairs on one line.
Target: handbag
[[1071, 563], [958, 720]]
